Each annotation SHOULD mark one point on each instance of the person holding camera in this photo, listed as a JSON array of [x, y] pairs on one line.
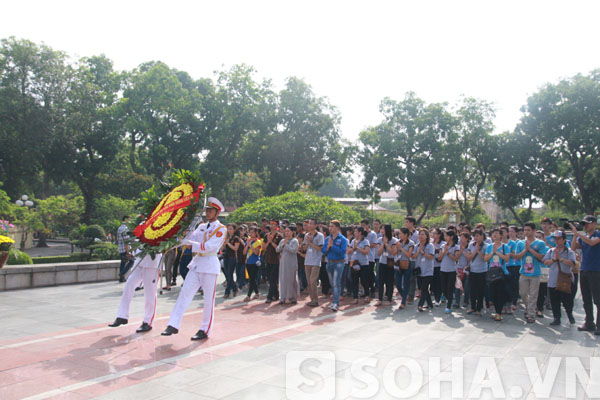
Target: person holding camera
[[588, 242]]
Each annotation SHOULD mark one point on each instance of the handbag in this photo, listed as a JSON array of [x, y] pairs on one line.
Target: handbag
[[403, 264], [495, 274], [563, 283], [390, 262], [417, 271]]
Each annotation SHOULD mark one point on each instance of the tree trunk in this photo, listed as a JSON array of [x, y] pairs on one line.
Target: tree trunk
[[514, 213], [42, 238]]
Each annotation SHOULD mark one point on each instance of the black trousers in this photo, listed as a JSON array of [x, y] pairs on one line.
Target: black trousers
[[372, 277], [542, 296], [499, 293], [176, 267], [425, 285], [436, 284], [477, 290], [363, 275], [252, 274], [273, 277], [556, 298], [590, 293], [513, 283], [386, 278], [448, 280]]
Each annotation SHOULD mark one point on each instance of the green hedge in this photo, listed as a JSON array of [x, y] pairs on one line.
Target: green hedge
[[295, 206], [74, 257]]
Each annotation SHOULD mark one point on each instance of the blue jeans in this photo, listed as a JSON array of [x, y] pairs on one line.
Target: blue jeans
[[335, 271], [403, 282], [302, 278], [240, 274]]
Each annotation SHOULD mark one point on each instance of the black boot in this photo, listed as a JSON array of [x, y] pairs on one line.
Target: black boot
[[555, 322]]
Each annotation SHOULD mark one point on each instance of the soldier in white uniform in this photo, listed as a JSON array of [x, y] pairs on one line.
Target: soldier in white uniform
[[204, 268], [146, 272]]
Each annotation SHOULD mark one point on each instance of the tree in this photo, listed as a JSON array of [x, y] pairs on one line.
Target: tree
[[240, 109], [295, 206], [563, 120], [304, 147], [338, 186], [56, 213], [519, 176], [244, 188], [93, 131], [32, 99], [479, 153], [164, 119], [413, 150]]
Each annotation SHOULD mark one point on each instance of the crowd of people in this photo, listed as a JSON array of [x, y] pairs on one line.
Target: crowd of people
[[454, 268]]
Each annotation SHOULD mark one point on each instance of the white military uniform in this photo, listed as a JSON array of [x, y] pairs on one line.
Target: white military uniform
[[146, 272], [204, 269]]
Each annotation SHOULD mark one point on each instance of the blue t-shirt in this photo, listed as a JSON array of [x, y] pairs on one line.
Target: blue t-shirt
[[590, 255], [513, 261], [496, 261], [550, 240], [531, 266]]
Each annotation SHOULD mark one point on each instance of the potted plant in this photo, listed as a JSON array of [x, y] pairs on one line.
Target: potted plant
[[5, 241]]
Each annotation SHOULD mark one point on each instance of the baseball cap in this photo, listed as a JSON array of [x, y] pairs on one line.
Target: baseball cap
[[588, 219]]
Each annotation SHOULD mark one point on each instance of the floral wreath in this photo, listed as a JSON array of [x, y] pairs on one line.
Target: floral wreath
[[170, 209]]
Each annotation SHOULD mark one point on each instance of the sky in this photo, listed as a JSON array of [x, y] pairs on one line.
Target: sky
[[355, 53]]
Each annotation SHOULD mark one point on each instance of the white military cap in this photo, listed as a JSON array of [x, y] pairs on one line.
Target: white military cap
[[213, 202]]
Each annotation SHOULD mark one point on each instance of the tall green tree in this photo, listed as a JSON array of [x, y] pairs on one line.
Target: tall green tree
[[519, 176], [164, 119], [563, 120], [245, 187], [413, 151], [479, 153], [304, 147], [93, 129], [241, 109], [33, 85]]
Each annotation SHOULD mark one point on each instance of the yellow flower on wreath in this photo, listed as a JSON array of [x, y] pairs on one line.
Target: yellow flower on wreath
[[168, 221]]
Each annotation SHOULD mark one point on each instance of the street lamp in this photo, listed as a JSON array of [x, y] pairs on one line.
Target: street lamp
[[24, 202]]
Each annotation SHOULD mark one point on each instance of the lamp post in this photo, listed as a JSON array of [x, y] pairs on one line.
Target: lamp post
[[24, 202]]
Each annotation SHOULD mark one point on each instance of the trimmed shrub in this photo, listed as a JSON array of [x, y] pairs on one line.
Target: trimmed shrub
[[17, 257]]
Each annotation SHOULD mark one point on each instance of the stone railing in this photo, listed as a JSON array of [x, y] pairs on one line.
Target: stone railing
[[39, 275]]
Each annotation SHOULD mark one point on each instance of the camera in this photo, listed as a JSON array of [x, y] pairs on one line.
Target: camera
[[567, 223]]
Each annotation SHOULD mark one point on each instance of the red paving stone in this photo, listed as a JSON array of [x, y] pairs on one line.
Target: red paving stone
[[60, 362]]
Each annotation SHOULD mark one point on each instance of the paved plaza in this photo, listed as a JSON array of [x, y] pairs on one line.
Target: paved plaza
[[55, 344]]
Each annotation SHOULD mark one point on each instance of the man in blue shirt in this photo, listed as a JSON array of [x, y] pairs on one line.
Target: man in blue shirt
[[335, 249], [530, 251], [589, 243]]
